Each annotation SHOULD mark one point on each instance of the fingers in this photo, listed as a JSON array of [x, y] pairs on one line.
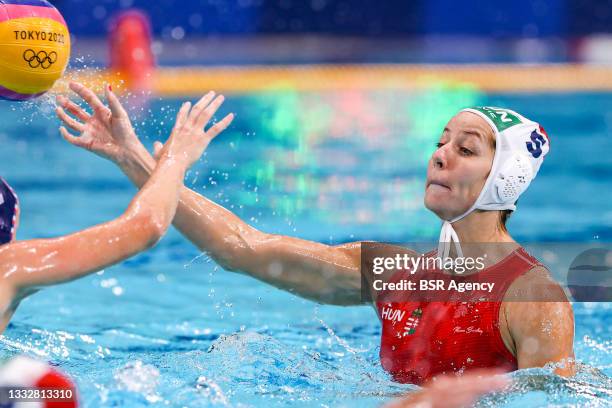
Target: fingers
[[209, 112], [89, 96], [69, 121], [182, 115], [199, 107], [157, 148], [204, 110], [73, 108], [113, 102], [70, 138], [220, 126]]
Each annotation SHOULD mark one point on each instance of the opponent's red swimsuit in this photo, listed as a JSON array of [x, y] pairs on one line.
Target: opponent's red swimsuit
[[423, 339]]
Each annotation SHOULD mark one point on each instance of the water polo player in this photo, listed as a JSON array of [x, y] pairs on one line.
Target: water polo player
[[27, 266], [486, 158]]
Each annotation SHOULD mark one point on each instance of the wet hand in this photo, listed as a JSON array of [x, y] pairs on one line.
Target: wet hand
[[189, 139], [106, 132]]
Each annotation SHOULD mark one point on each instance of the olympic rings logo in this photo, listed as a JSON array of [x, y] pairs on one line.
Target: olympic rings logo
[[40, 58]]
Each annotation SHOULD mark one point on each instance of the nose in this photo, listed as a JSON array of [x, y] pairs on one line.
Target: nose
[[439, 158]]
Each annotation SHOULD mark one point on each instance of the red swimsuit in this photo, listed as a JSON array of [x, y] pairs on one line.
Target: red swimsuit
[[423, 339]]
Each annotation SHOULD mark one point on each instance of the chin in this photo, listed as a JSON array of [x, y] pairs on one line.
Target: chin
[[439, 206], [434, 205]]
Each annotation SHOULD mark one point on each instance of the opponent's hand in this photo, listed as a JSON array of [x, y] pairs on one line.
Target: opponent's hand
[[188, 139], [107, 132]]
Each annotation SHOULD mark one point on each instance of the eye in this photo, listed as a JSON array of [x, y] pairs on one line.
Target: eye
[[466, 152], [439, 145]]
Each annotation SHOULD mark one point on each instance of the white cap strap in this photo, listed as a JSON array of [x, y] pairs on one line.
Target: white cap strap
[[448, 235]]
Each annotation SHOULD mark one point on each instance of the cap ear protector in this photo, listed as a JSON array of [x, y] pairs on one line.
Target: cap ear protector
[[513, 178]]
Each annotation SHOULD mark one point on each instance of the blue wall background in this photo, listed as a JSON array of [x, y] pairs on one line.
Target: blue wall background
[[510, 19]]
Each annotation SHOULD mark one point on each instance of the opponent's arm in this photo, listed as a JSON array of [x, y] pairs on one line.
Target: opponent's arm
[[541, 328], [328, 274], [27, 265]]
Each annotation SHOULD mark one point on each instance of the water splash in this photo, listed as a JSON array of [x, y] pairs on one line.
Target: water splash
[[541, 387], [340, 341], [211, 391], [139, 378], [254, 363]]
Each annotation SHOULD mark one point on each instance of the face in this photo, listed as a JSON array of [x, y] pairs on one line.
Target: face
[[460, 166]]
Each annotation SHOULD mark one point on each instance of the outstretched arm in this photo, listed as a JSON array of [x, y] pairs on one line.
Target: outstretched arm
[[328, 274], [27, 265], [324, 273]]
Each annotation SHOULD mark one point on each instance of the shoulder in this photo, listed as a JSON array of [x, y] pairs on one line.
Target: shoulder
[[535, 285], [535, 306], [376, 256], [540, 320], [378, 262]]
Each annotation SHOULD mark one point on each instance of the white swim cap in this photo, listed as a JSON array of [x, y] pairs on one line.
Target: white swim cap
[[520, 147]]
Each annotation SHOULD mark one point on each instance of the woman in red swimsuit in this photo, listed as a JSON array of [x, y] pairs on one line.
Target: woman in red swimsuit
[[485, 159]]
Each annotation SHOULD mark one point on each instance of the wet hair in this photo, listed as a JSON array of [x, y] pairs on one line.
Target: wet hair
[[503, 218]]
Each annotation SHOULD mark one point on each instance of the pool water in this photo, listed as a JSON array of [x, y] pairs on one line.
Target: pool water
[[170, 328]]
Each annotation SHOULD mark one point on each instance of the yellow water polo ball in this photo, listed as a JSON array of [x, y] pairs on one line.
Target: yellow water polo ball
[[34, 48]]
